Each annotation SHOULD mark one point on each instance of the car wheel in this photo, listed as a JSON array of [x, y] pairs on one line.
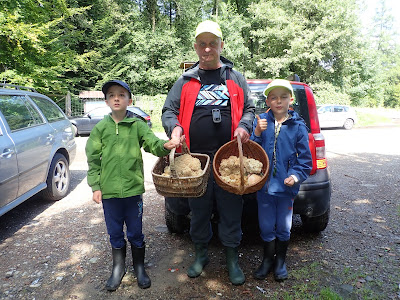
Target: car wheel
[[58, 178], [176, 223], [315, 224], [75, 129], [348, 124]]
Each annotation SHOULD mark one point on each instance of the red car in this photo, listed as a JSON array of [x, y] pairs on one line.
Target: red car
[[313, 200]]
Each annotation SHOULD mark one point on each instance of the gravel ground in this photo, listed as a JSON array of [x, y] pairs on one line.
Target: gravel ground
[[60, 250]]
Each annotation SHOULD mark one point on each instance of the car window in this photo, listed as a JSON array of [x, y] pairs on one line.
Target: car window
[[299, 104], [50, 110], [100, 111], [338, 109], [19, 112]]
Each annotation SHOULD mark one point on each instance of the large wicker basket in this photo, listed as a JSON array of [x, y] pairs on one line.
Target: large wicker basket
[[174, 186], [250, 150]]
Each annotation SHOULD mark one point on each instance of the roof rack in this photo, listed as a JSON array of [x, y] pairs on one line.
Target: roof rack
[[17, 87]]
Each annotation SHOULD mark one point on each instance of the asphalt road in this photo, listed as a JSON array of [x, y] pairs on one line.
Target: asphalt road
[[59, 250]]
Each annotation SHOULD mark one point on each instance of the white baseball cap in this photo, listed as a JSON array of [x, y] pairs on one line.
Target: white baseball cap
[[278, 83], [208, 26]]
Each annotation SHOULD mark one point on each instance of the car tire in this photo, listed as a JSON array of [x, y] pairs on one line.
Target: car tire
[[176, 223], [348, 124], [315, 224], [58, 179]]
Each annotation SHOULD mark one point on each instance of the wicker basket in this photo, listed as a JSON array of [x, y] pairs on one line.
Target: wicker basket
[[250, 150], [175, 186]]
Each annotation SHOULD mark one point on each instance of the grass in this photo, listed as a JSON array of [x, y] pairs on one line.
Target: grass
[[376, 116]]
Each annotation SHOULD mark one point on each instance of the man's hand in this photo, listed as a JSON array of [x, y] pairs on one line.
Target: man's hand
[[176, 133], [244, 135], [261, 126], [97, 195]]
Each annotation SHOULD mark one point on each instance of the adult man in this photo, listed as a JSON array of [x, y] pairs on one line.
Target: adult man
[[210, 105]]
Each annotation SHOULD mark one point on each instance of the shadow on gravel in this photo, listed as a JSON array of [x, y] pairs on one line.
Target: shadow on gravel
[[25, 213]]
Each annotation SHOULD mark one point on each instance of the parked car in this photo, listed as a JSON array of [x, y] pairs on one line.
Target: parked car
[[336, 116], [36, 147], [85, 123], [313, 200]]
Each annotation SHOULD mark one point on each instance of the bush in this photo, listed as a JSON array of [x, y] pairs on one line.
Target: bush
[[153, 106]]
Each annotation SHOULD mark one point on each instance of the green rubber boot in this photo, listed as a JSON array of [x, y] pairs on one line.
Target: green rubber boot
[[200, 262], [236, 275]]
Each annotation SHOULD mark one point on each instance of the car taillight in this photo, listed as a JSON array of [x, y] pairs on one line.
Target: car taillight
[[316, 138], [320, 150], [317, 148], [147, 118]]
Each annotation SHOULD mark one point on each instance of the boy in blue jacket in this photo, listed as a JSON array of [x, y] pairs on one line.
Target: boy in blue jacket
[[284, 136], [116, 177]]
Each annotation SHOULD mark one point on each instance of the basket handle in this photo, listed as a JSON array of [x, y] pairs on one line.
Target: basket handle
[[241, 164], [185, 149], [172, 163]]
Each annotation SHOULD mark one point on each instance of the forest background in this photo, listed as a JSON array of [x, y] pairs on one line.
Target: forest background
[[61, 46]]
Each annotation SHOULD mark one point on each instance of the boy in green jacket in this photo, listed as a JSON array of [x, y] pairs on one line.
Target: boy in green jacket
[[116, 177]]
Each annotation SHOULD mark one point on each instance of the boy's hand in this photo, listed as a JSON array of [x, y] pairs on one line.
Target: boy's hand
[[174, 142], [261, 126], [289, 181], [97, 196]]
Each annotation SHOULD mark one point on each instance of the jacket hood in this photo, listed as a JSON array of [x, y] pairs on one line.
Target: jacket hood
[[129, 117], [192, 72]]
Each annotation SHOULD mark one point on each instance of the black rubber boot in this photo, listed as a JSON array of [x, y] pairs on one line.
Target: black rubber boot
[[280, 265], [118, 270], [236, 275], [200, 262], [143, 279], [268, 261]]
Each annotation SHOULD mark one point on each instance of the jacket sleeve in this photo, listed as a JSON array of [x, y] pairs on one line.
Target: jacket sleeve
[[170, 110], [93, 151], [150, 142], [246, 121], [304, 160]]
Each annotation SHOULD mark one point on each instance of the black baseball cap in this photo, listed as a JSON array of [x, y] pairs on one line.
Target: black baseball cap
[[107, 85]]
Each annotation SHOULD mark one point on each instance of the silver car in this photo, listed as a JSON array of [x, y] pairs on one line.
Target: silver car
[[36, 147], [336, 116]]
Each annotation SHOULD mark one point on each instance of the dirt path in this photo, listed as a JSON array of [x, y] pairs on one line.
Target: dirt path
[[60, 250]]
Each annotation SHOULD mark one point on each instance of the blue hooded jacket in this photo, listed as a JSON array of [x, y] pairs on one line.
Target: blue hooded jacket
[[293, 156]]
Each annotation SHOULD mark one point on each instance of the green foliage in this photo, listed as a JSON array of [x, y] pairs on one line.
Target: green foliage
[[327, 93], [73, 45], [153, 106]]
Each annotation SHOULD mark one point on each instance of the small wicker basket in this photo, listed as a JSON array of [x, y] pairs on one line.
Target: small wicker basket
[[174, 186], [250, 150]]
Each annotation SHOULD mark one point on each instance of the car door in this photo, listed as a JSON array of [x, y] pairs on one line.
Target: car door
[[339, 116], [33, 138], [325, 116], [8, 167]]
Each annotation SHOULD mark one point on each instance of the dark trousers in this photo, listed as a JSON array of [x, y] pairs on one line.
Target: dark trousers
[[274, 217], [229, 207], [120, 211]]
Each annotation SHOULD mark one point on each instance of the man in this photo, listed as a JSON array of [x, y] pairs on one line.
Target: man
[[210, 105]]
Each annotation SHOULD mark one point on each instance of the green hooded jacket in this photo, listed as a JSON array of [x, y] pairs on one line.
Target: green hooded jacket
[[114, 156]]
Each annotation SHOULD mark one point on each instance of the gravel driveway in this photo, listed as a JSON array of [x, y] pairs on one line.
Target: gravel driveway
[[60, 250]]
